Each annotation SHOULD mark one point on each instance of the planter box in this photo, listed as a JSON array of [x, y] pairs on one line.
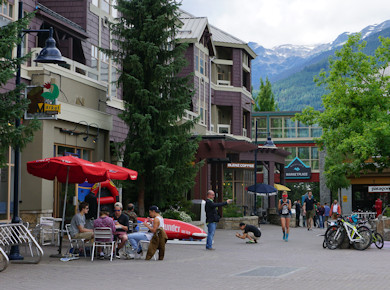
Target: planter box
[[233, 223]]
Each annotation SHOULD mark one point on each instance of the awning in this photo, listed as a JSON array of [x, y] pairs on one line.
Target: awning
[[281, 187]]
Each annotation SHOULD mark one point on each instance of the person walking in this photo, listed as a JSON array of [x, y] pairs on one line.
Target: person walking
[[297, 212], [284, 207], [326, 213], [335, 210], [308, 209], [321, 212], [212, 217]]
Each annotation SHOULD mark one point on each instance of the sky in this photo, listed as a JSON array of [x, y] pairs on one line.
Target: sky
[[299, 22]]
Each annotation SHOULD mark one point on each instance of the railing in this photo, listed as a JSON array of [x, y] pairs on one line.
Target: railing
[[223, 83], [223, 129], [365, 215], [244, 132], [17, 235], [190, 116]]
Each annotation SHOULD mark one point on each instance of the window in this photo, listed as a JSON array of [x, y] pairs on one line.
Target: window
[[6, 9], [276, 127], [95, 2], [303, 130], [289, 128], [201, 64], [308, 155]]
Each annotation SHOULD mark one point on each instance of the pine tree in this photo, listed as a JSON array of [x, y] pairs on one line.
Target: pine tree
[[12, 105], [157, 146], [265, 99]]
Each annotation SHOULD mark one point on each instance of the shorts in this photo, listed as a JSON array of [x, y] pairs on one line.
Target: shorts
[[252, 235], [285, 216], [310, 214]]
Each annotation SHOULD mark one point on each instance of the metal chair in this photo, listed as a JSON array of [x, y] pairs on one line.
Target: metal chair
[[144, 245], [103, 238], [48, 228], [74, 241]]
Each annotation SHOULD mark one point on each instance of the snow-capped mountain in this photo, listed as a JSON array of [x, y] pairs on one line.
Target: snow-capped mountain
[[281, 61]]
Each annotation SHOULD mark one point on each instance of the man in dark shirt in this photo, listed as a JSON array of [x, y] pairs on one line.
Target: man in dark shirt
[[212, 217], [90, 216], [297, 212], [308, 209], [249, 232], [122, 225]]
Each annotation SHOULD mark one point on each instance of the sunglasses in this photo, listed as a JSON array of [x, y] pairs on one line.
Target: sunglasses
[[117, 210]]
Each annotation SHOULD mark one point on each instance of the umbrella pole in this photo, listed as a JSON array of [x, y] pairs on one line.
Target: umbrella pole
[[59, 255], [100, 189]]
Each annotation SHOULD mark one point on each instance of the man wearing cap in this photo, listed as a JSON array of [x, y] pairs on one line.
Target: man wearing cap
[[212, 217], [121, 225], [152, 225]]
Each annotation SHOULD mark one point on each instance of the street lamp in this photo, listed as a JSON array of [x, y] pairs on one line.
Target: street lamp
[[49, 54]]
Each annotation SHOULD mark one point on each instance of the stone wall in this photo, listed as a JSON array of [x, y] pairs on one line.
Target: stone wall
[[233, 223], [383, 227]]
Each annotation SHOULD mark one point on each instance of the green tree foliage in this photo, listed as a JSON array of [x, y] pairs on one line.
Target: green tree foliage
[[355, 122], [265, 100], [12, 106], [150, 57]]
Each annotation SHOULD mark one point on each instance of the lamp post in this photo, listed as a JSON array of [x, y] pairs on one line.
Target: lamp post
[[49, 54], [255, 209]]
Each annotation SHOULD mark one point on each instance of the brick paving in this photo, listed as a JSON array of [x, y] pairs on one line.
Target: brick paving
[[301, 263]]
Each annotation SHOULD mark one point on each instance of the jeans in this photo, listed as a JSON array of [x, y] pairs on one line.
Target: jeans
[[134, 238], [321, 218], [210, 235]]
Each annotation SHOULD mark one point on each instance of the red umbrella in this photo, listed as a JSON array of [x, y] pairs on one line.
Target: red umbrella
[[116, 172], [79, 169], [67, 169]]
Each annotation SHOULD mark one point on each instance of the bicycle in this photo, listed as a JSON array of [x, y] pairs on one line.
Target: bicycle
[[360, 237]]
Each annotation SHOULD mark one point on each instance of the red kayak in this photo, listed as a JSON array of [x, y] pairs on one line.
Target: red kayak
[[181, 230]]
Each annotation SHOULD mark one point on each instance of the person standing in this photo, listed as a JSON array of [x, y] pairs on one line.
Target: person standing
[[308, 210], [335, 210], [326, 213], [212, 217], [284, 207], [321, 212], [297, 212]]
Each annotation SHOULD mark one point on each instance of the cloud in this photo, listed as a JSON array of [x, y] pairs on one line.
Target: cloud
[[275, 22]]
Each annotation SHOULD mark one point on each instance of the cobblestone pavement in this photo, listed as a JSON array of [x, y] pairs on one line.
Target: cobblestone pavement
[[301, 263]]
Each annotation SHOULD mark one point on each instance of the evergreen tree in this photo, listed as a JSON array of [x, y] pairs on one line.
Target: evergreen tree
[[265, 99], [12, 105], [150, 57], [355, 122]]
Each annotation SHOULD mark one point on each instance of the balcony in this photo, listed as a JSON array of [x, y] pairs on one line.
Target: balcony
[[223, 129]]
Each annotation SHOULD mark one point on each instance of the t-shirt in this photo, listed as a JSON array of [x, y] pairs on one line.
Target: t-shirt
[[77, 220], [309, 203], [123, 220], [327, 210], [253, 229]]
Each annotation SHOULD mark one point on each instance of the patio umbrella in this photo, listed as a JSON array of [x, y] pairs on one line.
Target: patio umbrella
[[117, 173], [67, 169], [262, 189], [281, 187]]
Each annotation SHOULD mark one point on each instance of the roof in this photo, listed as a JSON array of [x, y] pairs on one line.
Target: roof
[[195, 25]]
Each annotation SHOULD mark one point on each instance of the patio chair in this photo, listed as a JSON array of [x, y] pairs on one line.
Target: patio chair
[[104, 239], [144, 245], [49, 229], [74, 243]]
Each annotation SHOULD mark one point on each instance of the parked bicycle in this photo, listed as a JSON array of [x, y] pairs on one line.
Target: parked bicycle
[[359, 236]]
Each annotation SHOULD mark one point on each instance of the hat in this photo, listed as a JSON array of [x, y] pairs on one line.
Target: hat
[[154, 208], [118, 204]]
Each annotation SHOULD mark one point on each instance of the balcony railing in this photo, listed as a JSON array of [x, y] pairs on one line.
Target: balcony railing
[[223, 128], [223, 83]]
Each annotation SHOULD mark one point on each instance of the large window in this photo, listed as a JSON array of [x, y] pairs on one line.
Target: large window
[[308, 155], [6, 187], [286, 127], [6, 9], [107, 6]]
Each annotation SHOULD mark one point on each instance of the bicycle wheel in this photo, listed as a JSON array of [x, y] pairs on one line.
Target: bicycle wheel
[[366, 239], [334, 236], [378, 240]]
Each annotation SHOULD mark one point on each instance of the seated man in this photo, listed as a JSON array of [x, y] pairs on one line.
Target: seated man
[[249, 232], [104, 221], [132, 216], [153, 226], [122, 226], [77, 225]]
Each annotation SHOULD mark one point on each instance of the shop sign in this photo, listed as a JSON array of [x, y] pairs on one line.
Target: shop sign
[[43, 104], [297, 170], [379, 188], [241, 165]]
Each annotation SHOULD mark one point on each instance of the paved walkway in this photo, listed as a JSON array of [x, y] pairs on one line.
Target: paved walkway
[[301, 263]]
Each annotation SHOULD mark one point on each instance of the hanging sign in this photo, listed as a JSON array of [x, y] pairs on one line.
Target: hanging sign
[[297, 170], [43, 104]]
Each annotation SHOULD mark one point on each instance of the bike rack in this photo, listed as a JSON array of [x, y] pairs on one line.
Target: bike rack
[[17, 235]]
